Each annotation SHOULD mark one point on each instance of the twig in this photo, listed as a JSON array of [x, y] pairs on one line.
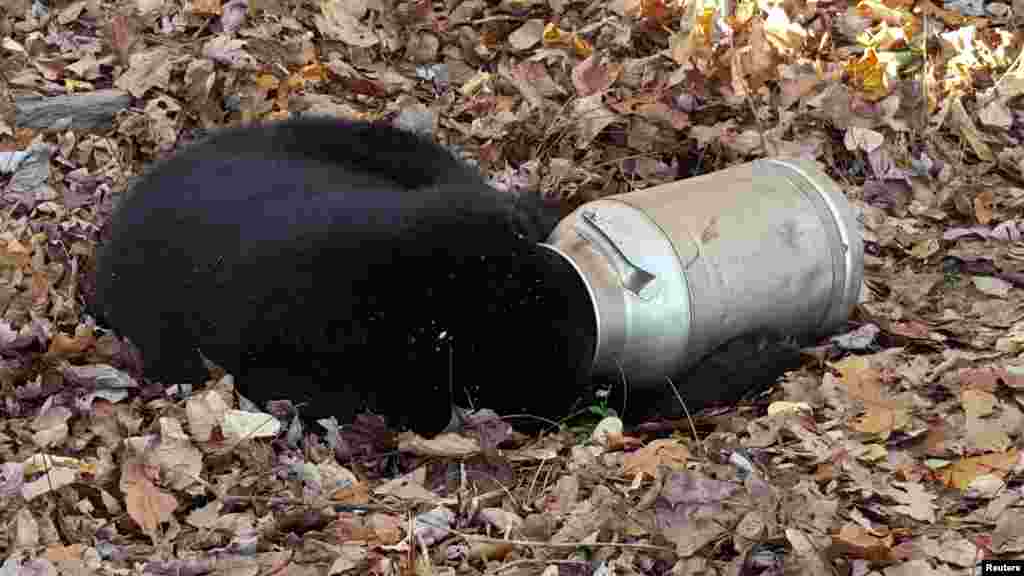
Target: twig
[[760, 126], [693, 429], [565, 545], [529, 491], [525, 561]]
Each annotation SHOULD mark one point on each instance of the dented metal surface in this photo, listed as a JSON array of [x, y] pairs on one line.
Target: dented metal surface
[[675, 271]]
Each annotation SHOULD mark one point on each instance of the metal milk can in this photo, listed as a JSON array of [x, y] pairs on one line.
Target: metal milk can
[[677, 270]]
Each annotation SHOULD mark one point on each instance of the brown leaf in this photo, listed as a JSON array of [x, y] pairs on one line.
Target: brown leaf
[[387, 528], [39, 288], [147, 70], [442, 445], [977, 403], [147, 504], [123, 36], [486, 551], [351, 527], [646, 460], [1008, 536], [914, 501], [204, 7], [340, 20], [591, 76], [358, 493], [64, 346], [876, 420], [527, 36], [961, 473], [862, 380], [984, 378], [984, 205], [855, 541]]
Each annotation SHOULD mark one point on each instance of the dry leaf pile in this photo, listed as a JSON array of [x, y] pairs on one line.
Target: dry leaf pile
[[895, 451]]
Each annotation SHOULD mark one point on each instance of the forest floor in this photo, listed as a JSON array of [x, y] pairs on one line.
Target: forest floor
[[895, 450]]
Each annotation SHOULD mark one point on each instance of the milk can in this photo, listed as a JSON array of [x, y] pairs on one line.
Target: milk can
[[675, 271]]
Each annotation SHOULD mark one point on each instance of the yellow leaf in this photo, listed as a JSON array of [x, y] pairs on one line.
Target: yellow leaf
[[962, 472]]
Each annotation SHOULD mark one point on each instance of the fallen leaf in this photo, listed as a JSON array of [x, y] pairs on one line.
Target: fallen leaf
[[961, 473], [340, 20], [984, 203], [662, 452], [1008, 536], [607, 433], [992, 286], [448, 445], [205, 412], [528, 35], [857, 542], [147, 505], [914, 501], [241, 425], [147, 70]]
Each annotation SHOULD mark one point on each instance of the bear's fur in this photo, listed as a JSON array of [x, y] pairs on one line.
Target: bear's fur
[[334, 263]]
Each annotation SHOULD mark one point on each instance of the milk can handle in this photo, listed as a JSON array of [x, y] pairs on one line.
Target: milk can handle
[[632, 277]]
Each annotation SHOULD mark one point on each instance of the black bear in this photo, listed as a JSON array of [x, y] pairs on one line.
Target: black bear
[[346, 266]]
